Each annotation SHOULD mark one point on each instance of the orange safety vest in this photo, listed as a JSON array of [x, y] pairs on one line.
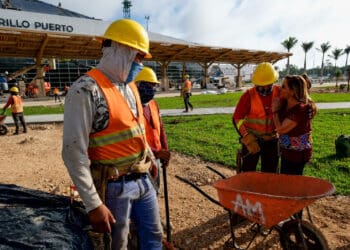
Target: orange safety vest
[[188, 85], [123, 142], [56, 91], [153, 133], [17, 105], [257, 121]]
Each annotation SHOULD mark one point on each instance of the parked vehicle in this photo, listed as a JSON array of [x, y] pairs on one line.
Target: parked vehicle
[[220, 81]]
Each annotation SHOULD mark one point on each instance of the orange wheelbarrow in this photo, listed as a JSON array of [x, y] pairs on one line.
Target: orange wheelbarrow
[[3, 127], [271, 201]]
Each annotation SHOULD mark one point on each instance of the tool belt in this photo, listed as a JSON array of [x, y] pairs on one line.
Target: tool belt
[[128, 177], [104, 173]]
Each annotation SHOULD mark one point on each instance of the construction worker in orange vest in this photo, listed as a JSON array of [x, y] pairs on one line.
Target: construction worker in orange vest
[[105, 147], [56, 93], [146, 82], [16, 109], [253, 120], [186, 93]]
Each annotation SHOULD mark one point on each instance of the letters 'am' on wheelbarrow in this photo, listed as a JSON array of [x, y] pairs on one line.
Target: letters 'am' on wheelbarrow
[[268, 199]]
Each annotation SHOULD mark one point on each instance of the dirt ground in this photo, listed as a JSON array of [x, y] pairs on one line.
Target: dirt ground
[[33, 160]]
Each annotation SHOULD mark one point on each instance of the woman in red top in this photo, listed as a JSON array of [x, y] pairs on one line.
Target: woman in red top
[[291, 115]]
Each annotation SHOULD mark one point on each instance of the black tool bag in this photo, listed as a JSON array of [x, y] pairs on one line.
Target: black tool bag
[[342, 146]]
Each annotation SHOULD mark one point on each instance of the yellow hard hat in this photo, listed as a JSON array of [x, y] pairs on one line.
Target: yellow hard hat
[[14, 89], [147, 75], [187, 76], [264, 74], [130, 33]]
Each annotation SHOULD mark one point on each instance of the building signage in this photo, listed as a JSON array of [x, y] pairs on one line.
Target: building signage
[[25, 24], [14, 19]]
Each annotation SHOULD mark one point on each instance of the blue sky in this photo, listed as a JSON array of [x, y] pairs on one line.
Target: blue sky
[[246, 24]]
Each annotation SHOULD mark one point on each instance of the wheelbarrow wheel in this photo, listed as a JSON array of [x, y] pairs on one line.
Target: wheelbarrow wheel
[[3, 129], [292, 238]]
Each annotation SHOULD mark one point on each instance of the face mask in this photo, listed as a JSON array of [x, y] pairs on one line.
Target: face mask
[[134, 70], [264, 91], [146, 92]]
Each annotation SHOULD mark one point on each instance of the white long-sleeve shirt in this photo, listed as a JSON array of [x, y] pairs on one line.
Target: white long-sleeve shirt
[[86, 111]]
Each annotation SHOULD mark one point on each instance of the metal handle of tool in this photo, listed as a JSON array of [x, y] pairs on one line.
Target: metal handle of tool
[[239, 160], [166, 199]]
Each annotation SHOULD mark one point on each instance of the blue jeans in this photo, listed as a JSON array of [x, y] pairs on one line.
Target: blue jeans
[[135, 200]]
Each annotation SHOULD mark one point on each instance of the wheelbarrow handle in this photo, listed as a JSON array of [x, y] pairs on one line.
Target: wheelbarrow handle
[[217, 172], [199, 190]]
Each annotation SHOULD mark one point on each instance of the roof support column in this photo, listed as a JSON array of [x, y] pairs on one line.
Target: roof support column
[[205, 80], [164, 82], [39, 80], [238, 78]]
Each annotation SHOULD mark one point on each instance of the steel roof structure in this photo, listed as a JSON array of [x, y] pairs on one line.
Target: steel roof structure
[[23, 34], [25, 43], [69, 35]]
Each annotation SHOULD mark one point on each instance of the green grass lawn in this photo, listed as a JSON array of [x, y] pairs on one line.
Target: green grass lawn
[[213, 138], [199, 101], [231, 99]]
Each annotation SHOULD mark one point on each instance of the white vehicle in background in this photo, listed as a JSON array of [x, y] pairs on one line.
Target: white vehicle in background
[[220, 81]]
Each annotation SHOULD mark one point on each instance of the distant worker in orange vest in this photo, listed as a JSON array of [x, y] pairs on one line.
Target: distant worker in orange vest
[[35, 90], [253, 120], [47, 87], [186, 93], [146, 82], [56, 94], [16, 109]]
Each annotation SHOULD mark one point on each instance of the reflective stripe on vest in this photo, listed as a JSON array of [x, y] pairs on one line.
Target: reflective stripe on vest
[[17, 106], [123, 142], [257, 121], [153, 133]]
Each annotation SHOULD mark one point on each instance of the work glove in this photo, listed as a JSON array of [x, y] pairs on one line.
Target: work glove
[[164, 156], [251, 143]]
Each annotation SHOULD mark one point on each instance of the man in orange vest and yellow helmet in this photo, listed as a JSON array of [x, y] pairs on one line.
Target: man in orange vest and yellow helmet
[[146, 82], [104, 142], [253, 120], [16, 103]]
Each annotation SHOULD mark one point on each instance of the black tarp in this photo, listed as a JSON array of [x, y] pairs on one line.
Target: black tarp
[[31, 219]]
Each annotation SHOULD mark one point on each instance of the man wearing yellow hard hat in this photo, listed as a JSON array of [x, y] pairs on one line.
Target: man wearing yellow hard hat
[[253, 120], [146, 82], [15, 101], [104, 141], [186, 93]]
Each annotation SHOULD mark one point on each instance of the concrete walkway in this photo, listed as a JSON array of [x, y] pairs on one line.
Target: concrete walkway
[[30, 119]]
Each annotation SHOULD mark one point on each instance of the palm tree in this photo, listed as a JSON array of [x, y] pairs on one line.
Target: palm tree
[[346, 51], [289, 44], [306, 47], [324, 47], [336, 53]]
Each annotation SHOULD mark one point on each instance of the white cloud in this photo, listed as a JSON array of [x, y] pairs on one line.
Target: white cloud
[[253, 24]]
